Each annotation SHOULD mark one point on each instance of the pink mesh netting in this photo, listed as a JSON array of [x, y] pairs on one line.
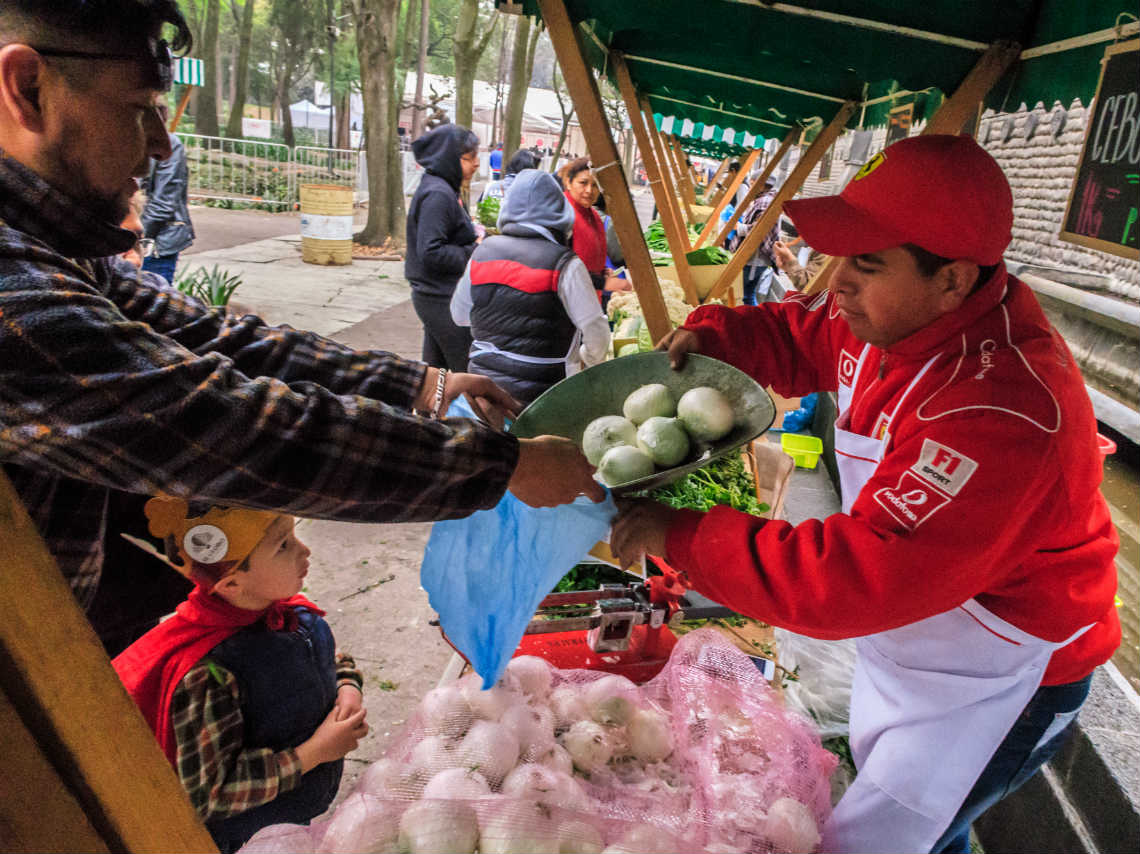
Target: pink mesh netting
[[702, 758]]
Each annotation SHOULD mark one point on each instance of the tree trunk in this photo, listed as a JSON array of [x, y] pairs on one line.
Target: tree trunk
[[418, 113], [286, 113], [344, 120], [206, 117], [469, 47], [376, 37], [245, 40], [516, 96], [496, 116]]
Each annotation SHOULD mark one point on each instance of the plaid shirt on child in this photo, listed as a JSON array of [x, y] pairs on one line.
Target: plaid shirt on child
[[111, 380]]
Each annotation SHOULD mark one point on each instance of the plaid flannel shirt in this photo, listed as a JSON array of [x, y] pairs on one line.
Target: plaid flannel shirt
[[111, 380], [221, 775], [763, 256]]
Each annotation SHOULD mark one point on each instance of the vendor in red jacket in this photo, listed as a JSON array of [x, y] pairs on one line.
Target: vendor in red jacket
[[973, 559]]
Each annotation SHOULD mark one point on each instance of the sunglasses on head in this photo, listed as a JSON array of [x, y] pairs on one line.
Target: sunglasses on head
[[158, 55]]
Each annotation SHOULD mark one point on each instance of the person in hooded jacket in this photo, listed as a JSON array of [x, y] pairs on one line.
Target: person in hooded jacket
[[527, 296], [441, 237]]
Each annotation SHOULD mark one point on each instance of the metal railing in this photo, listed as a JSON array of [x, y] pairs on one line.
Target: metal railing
[[269, 173]]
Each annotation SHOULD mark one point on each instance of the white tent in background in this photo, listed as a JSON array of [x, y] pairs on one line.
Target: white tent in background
[[306, 114]]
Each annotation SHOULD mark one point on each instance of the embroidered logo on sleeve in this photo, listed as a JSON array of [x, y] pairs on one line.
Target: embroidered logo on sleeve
[[911, 501], [847, 366], [944, 467]]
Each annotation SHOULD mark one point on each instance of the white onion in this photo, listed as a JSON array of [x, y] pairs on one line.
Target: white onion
[[433, 755], [533, 727], [488, 705], [589, 746], [612, 700], [445, 711], [489, 748], [646, 839], [544, 785], [281, 837], [519, 828], [568, 705], [384, 778], [790, 826], [362, 825], [579, 837], [650, 736], [457, 783], [557, 758], [532, 674], [439, 827]]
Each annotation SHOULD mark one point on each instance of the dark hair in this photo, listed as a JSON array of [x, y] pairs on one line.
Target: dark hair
[[928, 264], [734, 166], [112, 21], [521, 160], [468, 141], [572, 168]]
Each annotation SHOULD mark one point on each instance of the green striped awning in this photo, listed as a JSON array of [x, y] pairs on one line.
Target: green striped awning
[[189, 71]]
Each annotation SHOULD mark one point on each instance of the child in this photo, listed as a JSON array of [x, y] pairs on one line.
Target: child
[[241, 685]]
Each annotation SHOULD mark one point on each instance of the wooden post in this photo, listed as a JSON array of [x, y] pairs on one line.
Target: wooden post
[[181, 107], [666, 157], [674, 229], [771, 216], [666, 173], [729, 194], [603, 152], [757, 187], [682, 170], [716, 176], [75, 719], [954, 112]]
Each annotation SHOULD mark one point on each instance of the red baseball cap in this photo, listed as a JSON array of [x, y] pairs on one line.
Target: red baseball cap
[[941, 192]]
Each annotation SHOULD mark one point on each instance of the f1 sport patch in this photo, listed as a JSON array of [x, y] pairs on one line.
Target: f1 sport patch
[[944, 467], [912, 501]]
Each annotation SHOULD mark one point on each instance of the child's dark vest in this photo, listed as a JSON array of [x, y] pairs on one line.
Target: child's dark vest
[[288, 687], [521, 330]]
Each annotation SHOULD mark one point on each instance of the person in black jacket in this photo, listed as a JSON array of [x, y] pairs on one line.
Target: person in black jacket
[[166, 217], [440, 240]]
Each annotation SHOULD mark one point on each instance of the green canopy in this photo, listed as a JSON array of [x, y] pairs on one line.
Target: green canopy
[[761, 67]]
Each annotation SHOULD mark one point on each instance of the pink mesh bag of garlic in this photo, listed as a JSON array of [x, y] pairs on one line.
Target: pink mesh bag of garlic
[[702, 758]]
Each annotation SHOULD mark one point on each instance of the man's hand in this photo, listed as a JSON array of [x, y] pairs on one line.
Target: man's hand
[[679, 343], [783, 255], [482, 389], [616, 283], [552, 471], [349, 701], [640, 529]]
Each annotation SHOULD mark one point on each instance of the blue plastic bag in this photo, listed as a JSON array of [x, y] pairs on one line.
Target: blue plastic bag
[[486, 575], [801, 419]]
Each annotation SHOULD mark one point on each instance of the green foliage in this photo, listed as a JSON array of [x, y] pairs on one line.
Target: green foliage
[[590, 576], [724, 481], [708, 255], [213, 287], [488, 211]]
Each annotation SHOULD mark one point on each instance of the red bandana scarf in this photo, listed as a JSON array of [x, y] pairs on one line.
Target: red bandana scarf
[[589, 241], [152, 667]]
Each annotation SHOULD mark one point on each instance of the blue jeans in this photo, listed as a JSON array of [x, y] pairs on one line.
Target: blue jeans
[[1043, 728], [756, 279], [163, 265]]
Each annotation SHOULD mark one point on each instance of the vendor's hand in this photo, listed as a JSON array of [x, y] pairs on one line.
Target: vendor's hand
[[679, 343], [640, 529], [552, 470], [349, 701], [332, 740], [616, 283], [782, 254]]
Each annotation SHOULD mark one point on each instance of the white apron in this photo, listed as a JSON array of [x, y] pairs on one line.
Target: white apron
[[930, 702]]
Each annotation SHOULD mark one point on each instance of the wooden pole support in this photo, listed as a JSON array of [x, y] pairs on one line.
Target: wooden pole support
[[75, 716], [717, 175], [757, 186], [674, 230], [686, 175], [671, 199], [608, 169], [181, 107], [954, 112], [675, 173], [729, 194], [791, 186]]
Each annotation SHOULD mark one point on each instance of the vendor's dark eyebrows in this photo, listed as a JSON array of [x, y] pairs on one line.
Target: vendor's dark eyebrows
[[870, 258]]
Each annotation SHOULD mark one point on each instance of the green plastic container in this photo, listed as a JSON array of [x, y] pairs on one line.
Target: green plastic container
[[805, 450]]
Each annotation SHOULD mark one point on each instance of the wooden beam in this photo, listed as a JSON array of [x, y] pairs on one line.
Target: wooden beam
[[717, 175], [683, 171], [954, 112], [181, 107], [670, 165], [729, 194], [69, 700], [757, 186], [791, 186], [674, 229], [671, 199], [607, 164]]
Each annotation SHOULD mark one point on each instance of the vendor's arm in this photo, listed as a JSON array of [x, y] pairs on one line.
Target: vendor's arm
[[256, 348], [908, 550], [222, 776], [578, 297], [787, 345]]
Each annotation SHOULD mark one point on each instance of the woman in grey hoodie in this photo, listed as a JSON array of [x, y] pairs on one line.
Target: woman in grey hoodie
[[532, 308]]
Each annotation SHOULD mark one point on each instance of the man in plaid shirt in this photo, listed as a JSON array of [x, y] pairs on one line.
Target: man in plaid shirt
[[111, 383]]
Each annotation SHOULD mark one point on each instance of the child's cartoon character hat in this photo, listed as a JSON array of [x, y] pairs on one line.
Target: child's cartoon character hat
[[206, 548]]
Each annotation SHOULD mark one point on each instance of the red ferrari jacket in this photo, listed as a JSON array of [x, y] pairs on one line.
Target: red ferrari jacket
[[1000, 437]]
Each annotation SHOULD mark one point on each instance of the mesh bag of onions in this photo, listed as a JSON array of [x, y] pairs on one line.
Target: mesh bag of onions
[[702, 758]]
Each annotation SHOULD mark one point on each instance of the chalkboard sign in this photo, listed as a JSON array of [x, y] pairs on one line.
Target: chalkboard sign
[[1102, 209]]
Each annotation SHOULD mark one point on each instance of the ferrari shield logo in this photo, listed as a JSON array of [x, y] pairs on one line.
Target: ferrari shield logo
[[870, 166]]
